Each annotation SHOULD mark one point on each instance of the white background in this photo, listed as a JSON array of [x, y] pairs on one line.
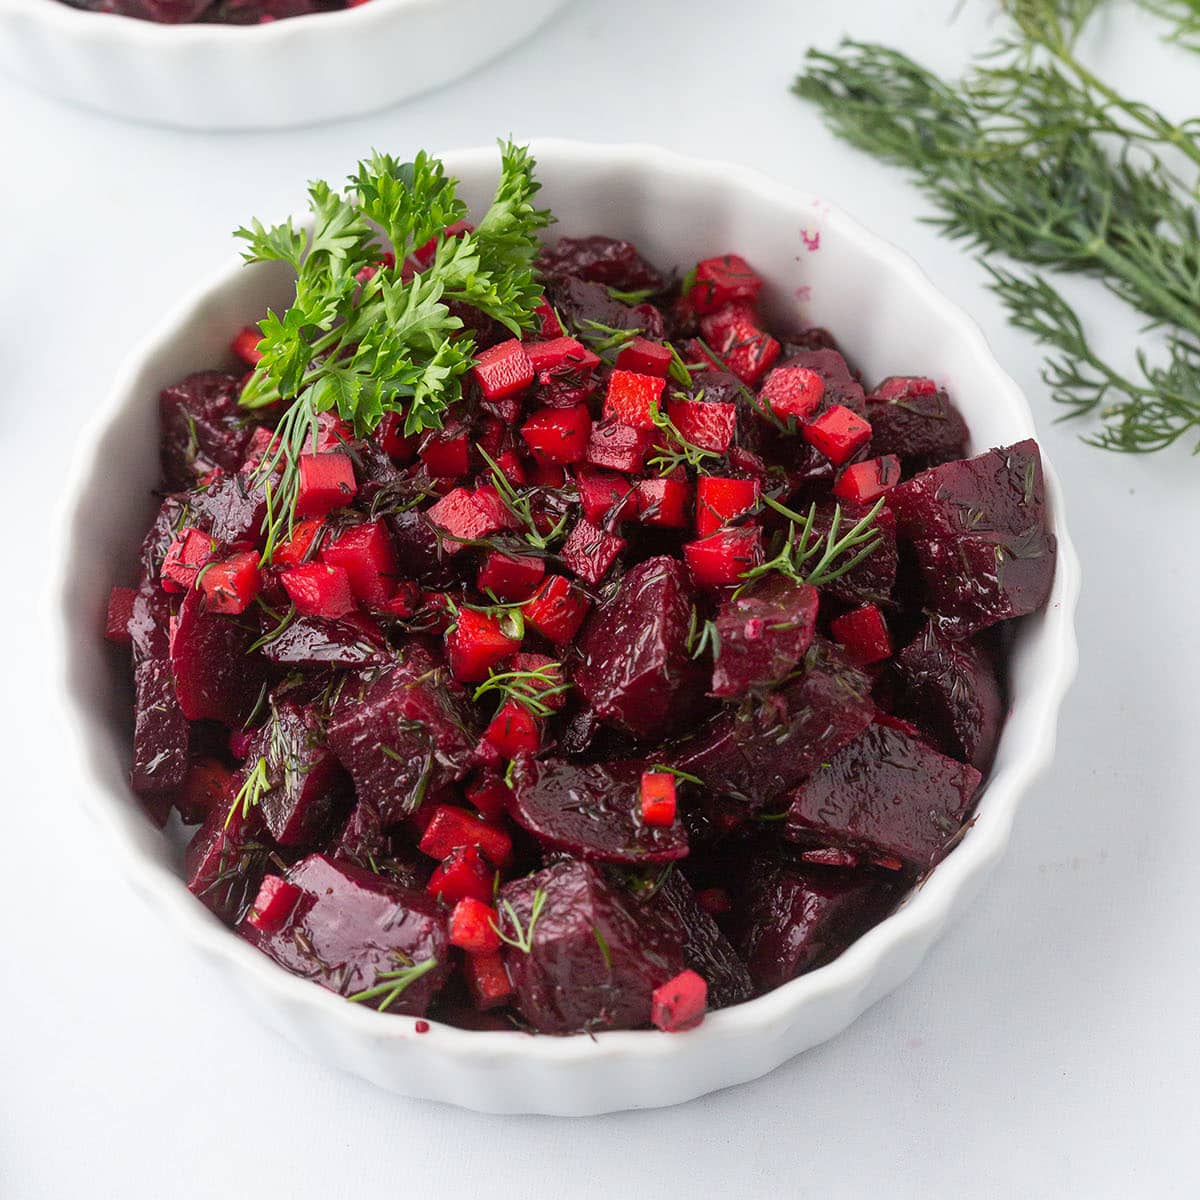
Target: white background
[[1050, 1046]]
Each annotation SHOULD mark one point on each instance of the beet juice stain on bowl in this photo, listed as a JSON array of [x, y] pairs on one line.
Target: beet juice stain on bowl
[[541, 641]]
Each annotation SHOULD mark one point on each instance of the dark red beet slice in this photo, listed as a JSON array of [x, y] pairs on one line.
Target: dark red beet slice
[[160, 737], [951, 691], [226, 860], [215, 676], [315, 642], [202, 427], [874, 579], [762, 634], [593, 812], [172, 515], [231, 509], [888, 795], [706, 950], [981, 535], [840, 385], [308, 788], [600, 260], [763, 748], [402, 737], [924, 430], [364, 843], [150, 624], [635, 657], [351, 930], [594, 958], [579, 302], [794, 918]]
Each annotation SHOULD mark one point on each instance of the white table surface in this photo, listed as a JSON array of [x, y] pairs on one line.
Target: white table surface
[[1050, 1046]]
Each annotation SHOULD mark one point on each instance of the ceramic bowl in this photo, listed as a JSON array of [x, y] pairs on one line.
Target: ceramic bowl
[[821, 267], [290, 72]]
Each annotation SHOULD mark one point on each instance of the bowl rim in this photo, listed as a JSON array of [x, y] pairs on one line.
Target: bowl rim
[[165, 37], [926, 908]]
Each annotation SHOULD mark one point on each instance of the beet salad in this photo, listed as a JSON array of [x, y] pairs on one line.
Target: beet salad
[[539, 639]]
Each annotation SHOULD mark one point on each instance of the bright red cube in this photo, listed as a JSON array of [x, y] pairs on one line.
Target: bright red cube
[[273, 905], [513, 730], [477, 643], [510, 576], [792, 392], [865, 482], [186, 556], [724, 557], [117, 615], [557, 609], [734, 333], [720, 500], [558, 435], [365, 553], [838, 433], [474, 924], [723, 280], [503, 370], [318, 590], [446, 453], [487, 980], [679, 1003], [864, 634], [464, 873], [704, 423], [461, 519], [230, 587], [326, 482], [618, 447], [658, 798], [604, 496], [245, 345], [665, 501], [450, 827], [632, 398], [645, 357], [294, 550], [589, 551]]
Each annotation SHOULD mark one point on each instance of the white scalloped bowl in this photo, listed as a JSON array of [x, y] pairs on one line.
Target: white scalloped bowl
[[291, 72], [890, 318]]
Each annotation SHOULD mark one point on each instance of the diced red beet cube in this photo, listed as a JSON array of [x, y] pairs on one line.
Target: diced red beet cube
[[446, 453], [460, 519], [645, 357], [838, 433], [474, 924], [273, 905], [513, 730], [394, 441], [477, 643], [187, 555], [215, 676], [724, 557], [326, 482], [245, 345], [632, 398], [903, 387], [361, 935], [665, 501], [658, 798], [763, 634], [886, 795], [452, 827], [618, 447], [318, 590], [489, 793], [208, 785], [202, 426], [679, 1003], [863, 633], [792, 392], [600, 260], [503, 370], [489, 501], [558, 435], [365, 553], [720, 281], [720, 500], [706, 424], [981, 535], [734, 333], [595, 955], [557, 609], [512, 467], [403, 736], [225, 861], [590, 551], [604, 496], [230, 586], [487, 980], [561, 356], [118, 615], [463, 874], [160, 737], [510, 576], [548, 325], [592, 812], [635, 663], [865, 482], [294, 550]]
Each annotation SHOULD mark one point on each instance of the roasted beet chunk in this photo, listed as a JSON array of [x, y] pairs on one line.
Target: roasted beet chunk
[[635, 657], [305, 788], [215, 676], [874, 579], [592, 812], [922, 427], [766, 745], [794, 918], [706, 950], [762, 634], [593, 957], [226, 860], [887, 796], [579, 302], [315, 642], [160, 737], [362, 936], [231, 508], [841, 387], [601, 260], [402, 737], [202, 427], [981, 536]]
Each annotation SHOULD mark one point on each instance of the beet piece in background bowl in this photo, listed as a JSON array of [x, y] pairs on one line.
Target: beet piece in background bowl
[[676, 210]]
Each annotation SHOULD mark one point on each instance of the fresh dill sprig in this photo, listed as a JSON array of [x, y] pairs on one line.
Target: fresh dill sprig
[[603, 339], [521, 507], [639, 296], [394, 983], [1185, 14], [1034, 156], [831, 554], [522, 939], [360, 340], [675, 451], [530, 689], [702, 636], [256, 785]]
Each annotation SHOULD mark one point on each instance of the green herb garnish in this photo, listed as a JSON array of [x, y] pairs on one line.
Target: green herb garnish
[[523, 938], [527, 688], [394, 983]]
